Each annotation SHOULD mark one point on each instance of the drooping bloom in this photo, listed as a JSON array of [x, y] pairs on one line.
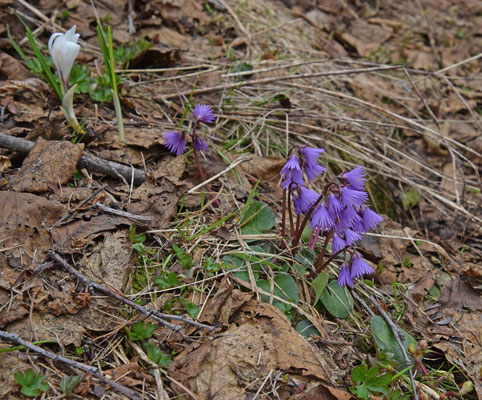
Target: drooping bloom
[[351, 236], [345, 277], [305, 200], [338, 244], [321, 218], [359, 267], [203, 113], [291, 172], [199, 144], [353, 198], [64, 50], [334, 204], [175, 142], [370, 219], [310, 162], [356, 178]]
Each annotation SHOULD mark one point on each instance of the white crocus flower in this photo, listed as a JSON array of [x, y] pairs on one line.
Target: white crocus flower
[[64, 50], [68, 109]]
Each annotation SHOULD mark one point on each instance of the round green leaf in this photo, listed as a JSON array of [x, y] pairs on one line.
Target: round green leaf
[[337, 300], [258, 219]]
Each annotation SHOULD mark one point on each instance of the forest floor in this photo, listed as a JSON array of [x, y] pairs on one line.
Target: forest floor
[[150, 287]]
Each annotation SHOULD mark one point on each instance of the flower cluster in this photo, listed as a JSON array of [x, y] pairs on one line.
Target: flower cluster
[[176, 141], [339, 213]]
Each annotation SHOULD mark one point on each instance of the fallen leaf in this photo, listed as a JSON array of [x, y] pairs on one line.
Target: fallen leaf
[[49, 162]]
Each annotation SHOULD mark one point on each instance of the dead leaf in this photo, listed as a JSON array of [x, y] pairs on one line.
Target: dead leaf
[[364, 37], [11, 68], [71, 237], [261, 340], [24, 219], [460, 294], [49, 163], [4, 163]]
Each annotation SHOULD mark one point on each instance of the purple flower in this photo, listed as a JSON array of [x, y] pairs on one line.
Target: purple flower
[[291, 164], [370, 219], [347, 218], [313, 170], [356, 178], [334, 205], [305, 200], [321, 218], [310, 162], [351, 236], [338, 244], [353, 198], [199, 144], [344, 277], [175, 142], [291, 172], [203, 113], [358, 226], [359, 267]]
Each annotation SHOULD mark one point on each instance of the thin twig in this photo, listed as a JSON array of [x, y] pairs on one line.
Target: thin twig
[[123, 213], [15, 338], [142, 309], [213, 178], [88, 161]]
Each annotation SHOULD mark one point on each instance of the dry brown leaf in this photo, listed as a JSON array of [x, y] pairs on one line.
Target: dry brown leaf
[[261, 340], [71, 237], [365, 37], [24, 219], [49, 164]]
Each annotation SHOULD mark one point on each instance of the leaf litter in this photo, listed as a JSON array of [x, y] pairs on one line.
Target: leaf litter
[[416, 130]]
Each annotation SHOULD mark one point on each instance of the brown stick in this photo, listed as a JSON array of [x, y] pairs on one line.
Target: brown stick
[[159, 317], [13, 337], [88, 161]]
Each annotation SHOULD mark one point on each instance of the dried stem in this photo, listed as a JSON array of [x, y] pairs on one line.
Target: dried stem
[[156, 315], [15, 338]]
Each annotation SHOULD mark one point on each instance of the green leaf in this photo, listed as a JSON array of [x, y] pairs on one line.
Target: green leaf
[[319, 284], [385, 339], [69, 383], [258, 219], [283, 283], [140, 330], [289, 289], [191, 309], [359, 373], [167, 280], [410, 198], [184, 258], [306, 329], [337, 300], [156, 354], [32, 383]]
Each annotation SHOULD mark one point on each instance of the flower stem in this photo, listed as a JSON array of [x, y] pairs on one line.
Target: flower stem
[[203, 177]]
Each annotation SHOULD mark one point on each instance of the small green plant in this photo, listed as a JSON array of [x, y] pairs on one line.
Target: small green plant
[[370, 381], [32, 384], [140, 330], [166, 280], [156, 354], [191, 309], [69, 383]]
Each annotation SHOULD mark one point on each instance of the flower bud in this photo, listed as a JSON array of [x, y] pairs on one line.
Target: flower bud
[[64, 50]]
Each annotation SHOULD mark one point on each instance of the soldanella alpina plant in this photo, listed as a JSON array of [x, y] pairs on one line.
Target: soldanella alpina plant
[[338, 214], [175, 141]]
